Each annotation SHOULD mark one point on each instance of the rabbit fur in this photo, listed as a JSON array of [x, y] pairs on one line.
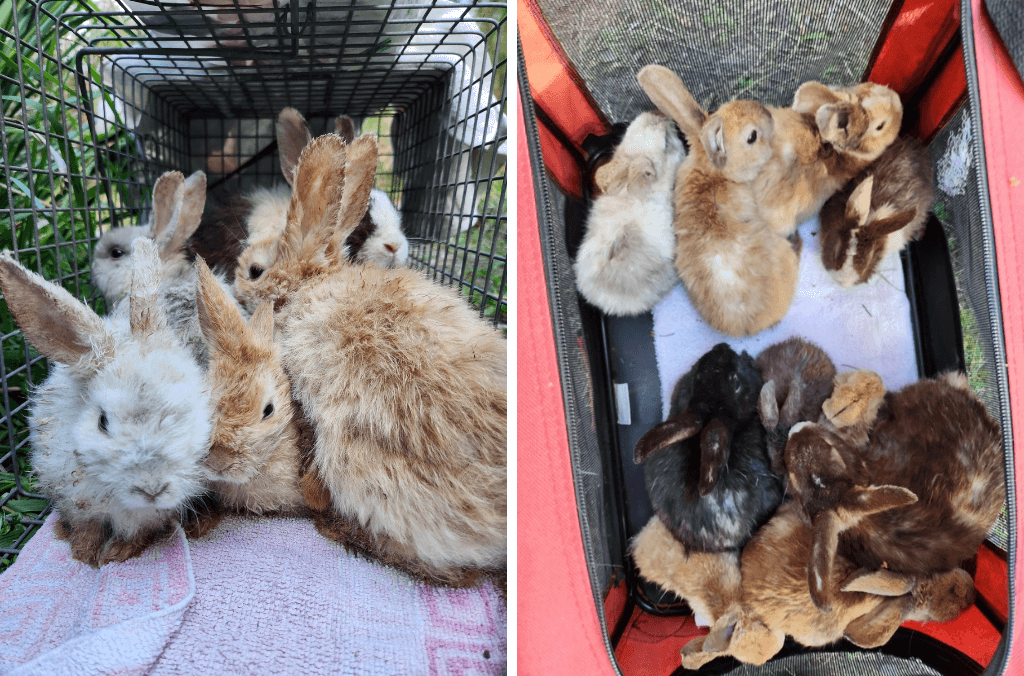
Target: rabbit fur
[[822, 141], [776, 602], [933, 438], [120, 427], [403, 383], [797, 380], [624, 265], [254, 446], [739, 274], [706, 469], [877, 213]]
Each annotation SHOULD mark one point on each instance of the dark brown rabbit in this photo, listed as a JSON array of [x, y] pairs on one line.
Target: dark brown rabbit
[[877, 213], [933, 438]]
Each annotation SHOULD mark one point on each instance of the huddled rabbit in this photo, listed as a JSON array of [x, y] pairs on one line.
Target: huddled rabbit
[[624, 264], [121, 426], [741, 275], [403, 383], [706, 468], [877, 213]]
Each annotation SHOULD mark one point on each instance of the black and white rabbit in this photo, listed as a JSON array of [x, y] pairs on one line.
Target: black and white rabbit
[[706, 468]]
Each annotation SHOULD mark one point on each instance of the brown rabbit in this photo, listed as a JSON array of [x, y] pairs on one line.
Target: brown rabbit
[[403, 383], [933, 438], [877, 213], [740, 275], [776, 600], [821, 142]]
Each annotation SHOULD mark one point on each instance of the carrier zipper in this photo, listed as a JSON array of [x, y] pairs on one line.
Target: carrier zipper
[[995, 313], [568, 389]]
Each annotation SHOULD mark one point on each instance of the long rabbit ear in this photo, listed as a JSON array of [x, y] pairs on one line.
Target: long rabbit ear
[[882, 582], [187, 216], [768, 406], [671, 97], [166, 195], [662, 435], [715, 441], [858, 207], [56, 323], [612, 176], [219, 319], [261, 324], [345, 128], [320, 179], [790, 413], [292, 136], [813, 95], [147, 315], [360, 171]]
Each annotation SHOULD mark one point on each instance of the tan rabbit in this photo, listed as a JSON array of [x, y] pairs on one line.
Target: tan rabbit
[[776, 600], [740, 275], [403, 383], [825, 139], [877, 213]]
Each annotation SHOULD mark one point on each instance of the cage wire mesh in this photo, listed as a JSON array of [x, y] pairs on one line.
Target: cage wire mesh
[[102, 96]]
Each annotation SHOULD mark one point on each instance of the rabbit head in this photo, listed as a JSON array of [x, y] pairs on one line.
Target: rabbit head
[[854, 404], [250, 390], [859, 121], [641, 157], [177, 212], [384, 244], [121, 426], [738, 139], [345, 128], [329, 198]]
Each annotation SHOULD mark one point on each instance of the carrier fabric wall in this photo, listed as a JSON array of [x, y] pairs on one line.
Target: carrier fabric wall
[[100, 97]]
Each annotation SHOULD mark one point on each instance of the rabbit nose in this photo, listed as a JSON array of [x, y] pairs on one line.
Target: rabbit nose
[[150, 493], [391, 247], [843, 119]]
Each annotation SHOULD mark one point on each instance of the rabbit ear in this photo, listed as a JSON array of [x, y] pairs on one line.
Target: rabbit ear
[[219, 320], [859, 205], [790, 413], [187, 217], [813, 95], [671, 97], [714, 455], [882, 582], [662, 435], [712, 137], [316, 199], [861, 501], [345, 128], [146, 314], [360, 170], [887, 226], [57, 324], [261, 324], [821, 566], [768, 407], [166, 193], [292, 136], [612, 176]]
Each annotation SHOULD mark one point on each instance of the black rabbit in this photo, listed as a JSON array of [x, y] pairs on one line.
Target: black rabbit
[[707, 470]]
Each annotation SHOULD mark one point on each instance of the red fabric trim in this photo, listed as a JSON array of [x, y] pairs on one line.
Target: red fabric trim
[[558, 627], [1002, 109], [945, 93], [991, 581], [559, 90], [650, 645], [914, 43], [971, 633]]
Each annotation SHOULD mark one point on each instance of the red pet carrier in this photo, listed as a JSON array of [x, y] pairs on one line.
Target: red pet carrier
[[957, 68]]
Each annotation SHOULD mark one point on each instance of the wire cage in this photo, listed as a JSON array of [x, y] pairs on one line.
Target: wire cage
[[758, 50], [102, 96]]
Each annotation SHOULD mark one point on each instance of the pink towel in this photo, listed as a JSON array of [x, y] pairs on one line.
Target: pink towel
[[256, 596]]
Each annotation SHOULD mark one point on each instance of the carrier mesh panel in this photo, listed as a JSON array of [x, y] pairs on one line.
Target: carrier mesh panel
[[100, 97], [830, 664], [956, 206], [722, 49]]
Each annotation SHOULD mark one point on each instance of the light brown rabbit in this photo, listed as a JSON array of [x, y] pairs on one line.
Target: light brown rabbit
[[254, 455], [933, 438], [403, 383], [776, 600], [877, 213], [740, 275], [825, 139]]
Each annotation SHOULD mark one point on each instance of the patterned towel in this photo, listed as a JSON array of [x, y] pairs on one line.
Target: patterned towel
[[256, 596], [866, 326]]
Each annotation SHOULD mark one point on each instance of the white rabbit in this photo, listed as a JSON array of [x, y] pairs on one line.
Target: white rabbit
[[121, 426], [625, 263]]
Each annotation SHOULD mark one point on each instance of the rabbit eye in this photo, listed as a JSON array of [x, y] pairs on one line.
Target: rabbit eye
[[268, 411], [103, 422], [752, 137], [255, 271], [880, 125], [116, 252]]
